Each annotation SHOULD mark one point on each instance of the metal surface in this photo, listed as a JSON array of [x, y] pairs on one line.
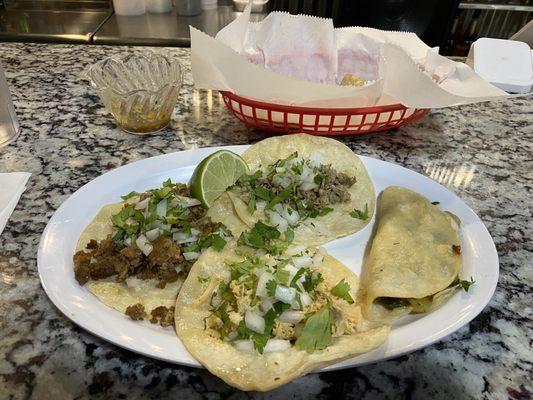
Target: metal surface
[[501, 7], [36, 25], [164, 29]]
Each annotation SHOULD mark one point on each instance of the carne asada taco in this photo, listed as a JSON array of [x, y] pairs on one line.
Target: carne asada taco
[[259, 320], [135, 254], [415, 257], [314, 186]]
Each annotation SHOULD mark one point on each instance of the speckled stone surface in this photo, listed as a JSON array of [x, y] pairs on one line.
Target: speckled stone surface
[[482, 152]]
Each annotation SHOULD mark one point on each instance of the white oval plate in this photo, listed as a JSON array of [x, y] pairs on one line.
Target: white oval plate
[[58, 243]]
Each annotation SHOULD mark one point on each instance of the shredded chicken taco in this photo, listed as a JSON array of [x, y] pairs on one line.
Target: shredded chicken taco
[[415, 257], [314, 187], [135, 254], [260, 316]]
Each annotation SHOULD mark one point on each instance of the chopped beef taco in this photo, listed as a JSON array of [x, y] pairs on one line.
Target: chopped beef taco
[[258, 318], [315, 187], [415, 257], [135, 254]]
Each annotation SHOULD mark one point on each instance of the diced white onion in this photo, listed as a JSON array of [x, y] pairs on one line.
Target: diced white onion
[[141, 205], [254, 321], [276, 345], [266, 304], [153, 234], [292, 270], [127, 242], [181, 238], [260, 205], [232, 335], [144, 245], [188, 201], [276, 220], [305, 299], [161, 208], [245, 346], [285, 294], [195, 232], [308, 186], [281, 180], [291, 317], [304, 261], [294, 250], [191, 255], [318, 258], [261, 290], [316, 159]]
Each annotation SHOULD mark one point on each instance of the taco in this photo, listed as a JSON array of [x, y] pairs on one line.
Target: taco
[[135, 254], [259, 320], [316, 187], [415, 257]]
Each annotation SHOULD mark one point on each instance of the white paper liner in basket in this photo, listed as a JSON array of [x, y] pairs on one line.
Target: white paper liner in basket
[[402, 68]]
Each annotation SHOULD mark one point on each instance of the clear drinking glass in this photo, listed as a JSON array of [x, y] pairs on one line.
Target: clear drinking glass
[[9, 127], [140, 91]]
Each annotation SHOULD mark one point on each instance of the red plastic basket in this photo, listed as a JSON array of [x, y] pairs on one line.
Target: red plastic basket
[[320, 121]]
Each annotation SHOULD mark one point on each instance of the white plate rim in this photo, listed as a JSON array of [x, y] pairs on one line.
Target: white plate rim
[[477, 300]]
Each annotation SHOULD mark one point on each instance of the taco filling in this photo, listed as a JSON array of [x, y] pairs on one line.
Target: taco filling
[[271, 303], [153, 236], [295, 189]]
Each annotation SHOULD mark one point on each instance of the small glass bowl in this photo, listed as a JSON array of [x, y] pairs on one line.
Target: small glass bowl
[[140, 91]]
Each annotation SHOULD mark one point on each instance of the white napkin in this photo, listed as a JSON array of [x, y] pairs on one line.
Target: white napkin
[[283, 58], [12, 184]]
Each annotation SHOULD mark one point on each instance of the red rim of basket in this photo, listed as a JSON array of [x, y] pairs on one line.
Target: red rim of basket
[[311, 110]]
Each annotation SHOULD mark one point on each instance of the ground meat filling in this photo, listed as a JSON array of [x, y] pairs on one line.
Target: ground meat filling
[[163, 315], [136, 312], [333, 188]]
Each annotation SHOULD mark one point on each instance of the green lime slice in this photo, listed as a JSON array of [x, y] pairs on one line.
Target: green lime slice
[[215, 174]]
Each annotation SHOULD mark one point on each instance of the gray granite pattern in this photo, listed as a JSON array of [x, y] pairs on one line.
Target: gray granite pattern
[[482, 152]]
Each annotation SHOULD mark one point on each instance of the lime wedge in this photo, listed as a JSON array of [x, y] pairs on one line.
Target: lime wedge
[[215, 174]]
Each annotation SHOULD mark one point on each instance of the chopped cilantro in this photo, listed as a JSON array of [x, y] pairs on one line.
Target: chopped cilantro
[[281, 196], [465, 285], [250, 178], [342, 290], [282, 276], [263, 193], [324, 211], [271, 287], [261, 236], [289, 235], [225, 292], [212, 240], [297, 276], [130, 195], [251, 203], [312, 279], [360, 214], [242, 268], [202, 279], [316, 333]]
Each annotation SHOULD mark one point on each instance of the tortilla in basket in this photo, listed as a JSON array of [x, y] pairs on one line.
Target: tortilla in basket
[[336, 201], [247, 369], [414, 259]]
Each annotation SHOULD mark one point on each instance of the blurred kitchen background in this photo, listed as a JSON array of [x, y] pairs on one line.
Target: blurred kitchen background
[[451, 24]]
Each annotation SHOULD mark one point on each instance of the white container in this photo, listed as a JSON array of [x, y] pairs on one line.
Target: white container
[[258, 6], [209, 4], [129, 7], [506, 64], [158, 6]]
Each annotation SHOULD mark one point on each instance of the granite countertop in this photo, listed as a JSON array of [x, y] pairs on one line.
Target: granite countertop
[[481, 152]]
